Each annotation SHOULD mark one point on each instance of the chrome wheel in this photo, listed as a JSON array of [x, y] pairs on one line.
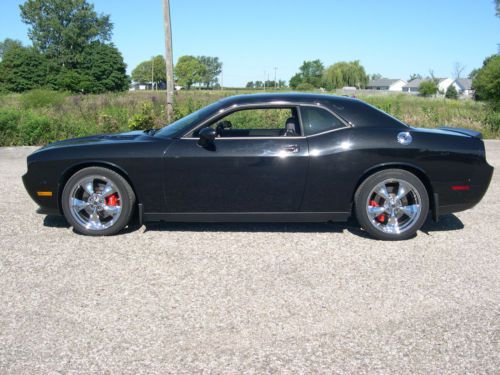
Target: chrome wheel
[[95, 202], [393, 206]]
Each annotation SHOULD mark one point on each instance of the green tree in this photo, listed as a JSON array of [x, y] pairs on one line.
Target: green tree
[[156, 66], [23, 68], [258, 84], [213, 67], [375, 76], [250, 85], [7, 45], [189, 70], [345, 74], [61, 29], [487, 81], [451, 92], [427, 88], [296, 80], [312, 72]]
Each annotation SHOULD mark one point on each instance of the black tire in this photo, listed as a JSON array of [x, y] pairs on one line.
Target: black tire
[[366, 191], [126, 197]]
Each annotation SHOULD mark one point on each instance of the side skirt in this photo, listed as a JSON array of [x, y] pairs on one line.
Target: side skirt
[[248, 217]]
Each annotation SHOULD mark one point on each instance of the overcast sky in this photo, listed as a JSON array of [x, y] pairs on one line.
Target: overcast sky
[[392, 37]]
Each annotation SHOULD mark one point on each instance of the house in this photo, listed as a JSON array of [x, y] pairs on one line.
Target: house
[[464, 87], [442, 84], [386, 84]]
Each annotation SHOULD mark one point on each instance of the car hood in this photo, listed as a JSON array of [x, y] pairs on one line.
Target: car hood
[[100, 138]]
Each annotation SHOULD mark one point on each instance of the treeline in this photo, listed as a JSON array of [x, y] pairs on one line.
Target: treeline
[[71, 50], [189, 71], [313, 74]]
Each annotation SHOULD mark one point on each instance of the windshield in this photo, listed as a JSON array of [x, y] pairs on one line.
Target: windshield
[[185, 123]]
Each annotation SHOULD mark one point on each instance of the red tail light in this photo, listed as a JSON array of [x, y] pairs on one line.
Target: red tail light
[[460, 187]]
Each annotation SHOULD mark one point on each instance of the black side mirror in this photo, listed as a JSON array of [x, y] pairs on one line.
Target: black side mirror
[[207, 137]]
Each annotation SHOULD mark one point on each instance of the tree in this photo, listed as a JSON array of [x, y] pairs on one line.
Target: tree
[[281, 84], [451, 92], [61, 29], [487, 81], [23, 68], [7, 45], [213, 67], [189, 70], [414, 76], [296, 80], [312, 72], [258, 84], [250, 85], [375, 76], [428, 88], [473, 73], [345, 74], [458, 69], [154, 68], [497, 7]]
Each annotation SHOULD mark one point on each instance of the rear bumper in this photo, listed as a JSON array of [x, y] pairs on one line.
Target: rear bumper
[[449, 201]]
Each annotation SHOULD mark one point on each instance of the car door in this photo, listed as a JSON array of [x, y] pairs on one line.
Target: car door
[[237, 175]]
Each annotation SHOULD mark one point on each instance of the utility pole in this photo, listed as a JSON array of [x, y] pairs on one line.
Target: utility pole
[[152, 72], [275, 83], [169, 59]]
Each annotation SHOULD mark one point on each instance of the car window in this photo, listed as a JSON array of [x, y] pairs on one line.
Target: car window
[[258, 122], [317, 120]]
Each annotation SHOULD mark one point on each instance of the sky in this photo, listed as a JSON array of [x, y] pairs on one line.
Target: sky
[[392, 37]]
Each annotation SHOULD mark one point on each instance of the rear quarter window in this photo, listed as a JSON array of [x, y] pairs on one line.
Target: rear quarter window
[[318, 120]]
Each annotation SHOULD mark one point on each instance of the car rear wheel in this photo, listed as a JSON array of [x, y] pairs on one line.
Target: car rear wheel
[[97, 201], [392, 204]]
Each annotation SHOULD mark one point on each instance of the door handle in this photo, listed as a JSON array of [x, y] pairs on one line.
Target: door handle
[[291, 148]]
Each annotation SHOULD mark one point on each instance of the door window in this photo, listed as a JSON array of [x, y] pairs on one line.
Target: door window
[[258, 122]]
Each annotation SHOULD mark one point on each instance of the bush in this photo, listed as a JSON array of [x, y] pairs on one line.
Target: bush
[[9, 121], [305, 87], [40, 98], [451, 92], [428, 88], [143, 120]]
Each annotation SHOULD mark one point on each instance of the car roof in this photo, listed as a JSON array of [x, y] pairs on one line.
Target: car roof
[[290, 97]]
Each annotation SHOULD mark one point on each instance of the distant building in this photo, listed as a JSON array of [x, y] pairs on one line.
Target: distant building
[[464, 87], [385, 84], [442, 84]]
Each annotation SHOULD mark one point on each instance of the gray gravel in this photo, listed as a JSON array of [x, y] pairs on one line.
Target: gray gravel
[[259, 298]]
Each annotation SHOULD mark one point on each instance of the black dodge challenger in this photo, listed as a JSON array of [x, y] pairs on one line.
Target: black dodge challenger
[[269, 157]]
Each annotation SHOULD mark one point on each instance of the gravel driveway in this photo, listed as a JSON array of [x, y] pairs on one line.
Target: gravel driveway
[[253, 298]]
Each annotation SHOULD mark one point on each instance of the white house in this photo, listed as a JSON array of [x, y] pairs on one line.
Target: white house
[[464, 87], [442, 84], [386, 84]]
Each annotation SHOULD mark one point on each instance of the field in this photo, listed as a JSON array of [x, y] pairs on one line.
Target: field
[[39, 117]]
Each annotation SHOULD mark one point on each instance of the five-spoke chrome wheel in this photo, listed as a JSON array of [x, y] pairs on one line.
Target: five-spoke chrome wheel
[[97, 201], [391, 204]]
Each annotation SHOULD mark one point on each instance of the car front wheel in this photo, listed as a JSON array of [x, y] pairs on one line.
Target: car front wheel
[[97, 201], [391, 204]]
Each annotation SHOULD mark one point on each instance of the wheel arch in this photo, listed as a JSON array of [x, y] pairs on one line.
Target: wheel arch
[[70, 171], [418, 172]]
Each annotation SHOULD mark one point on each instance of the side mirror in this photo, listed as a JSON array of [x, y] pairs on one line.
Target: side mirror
[[207, 137]]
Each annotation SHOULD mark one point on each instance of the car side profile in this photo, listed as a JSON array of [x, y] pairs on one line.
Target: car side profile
[[265, 157]]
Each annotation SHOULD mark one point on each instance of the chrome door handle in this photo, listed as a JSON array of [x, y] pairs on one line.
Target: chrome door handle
[[291, 148]]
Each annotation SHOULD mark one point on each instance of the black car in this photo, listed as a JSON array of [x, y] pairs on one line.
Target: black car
[[269, 157]]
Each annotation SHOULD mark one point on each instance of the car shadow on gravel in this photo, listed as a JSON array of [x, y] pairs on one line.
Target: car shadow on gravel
[[446, 223]]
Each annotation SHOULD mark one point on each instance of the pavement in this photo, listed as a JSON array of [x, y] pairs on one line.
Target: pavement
[[247, 298]]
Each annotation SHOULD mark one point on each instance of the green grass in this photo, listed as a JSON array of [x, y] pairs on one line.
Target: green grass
[[41, 116]]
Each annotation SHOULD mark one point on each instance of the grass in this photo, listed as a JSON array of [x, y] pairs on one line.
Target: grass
[[40, 116]]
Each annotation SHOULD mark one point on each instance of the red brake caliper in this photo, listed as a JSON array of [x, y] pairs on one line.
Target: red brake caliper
[[380, 218], [112, 200]]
